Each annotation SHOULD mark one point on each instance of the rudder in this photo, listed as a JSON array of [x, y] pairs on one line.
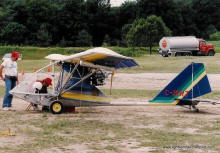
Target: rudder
[[192, 82]]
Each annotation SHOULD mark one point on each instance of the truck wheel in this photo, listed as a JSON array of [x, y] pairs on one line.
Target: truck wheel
[[56, 107], [178, 54], [186, 54], [211, 53], [164, 55]]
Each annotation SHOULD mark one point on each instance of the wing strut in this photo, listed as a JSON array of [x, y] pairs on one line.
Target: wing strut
[[111, 82]]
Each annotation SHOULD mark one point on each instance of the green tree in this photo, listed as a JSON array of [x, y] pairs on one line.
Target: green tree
[[84, 39], [145, 32], [206, 13], [43, 36], [97, 15], [190, 27], [133, 36], [106, 41], [35, 13], [13, 33], [128, 12], [124, 31], [113, 29], [70, 20], [210, 30], [168, 10], [215, 36]]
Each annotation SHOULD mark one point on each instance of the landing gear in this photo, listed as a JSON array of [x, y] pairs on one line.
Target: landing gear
[[56, 107], [195, 108], [189, 104]]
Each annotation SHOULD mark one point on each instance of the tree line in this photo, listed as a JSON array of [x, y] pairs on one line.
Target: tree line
[[96, 23]]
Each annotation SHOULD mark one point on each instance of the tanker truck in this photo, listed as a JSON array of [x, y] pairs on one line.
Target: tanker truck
[[185, 46]]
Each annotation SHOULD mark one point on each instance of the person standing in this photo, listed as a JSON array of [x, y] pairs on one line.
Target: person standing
[[11, 77]]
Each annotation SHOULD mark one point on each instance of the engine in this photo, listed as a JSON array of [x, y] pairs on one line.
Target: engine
[[98, 79]]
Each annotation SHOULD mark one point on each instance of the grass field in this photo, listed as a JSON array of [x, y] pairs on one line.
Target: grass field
[[34, 58], [38, 53], [155, 63], [148, 63]]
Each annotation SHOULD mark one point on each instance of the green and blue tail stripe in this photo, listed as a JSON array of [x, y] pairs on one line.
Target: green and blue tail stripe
[[192, 82]]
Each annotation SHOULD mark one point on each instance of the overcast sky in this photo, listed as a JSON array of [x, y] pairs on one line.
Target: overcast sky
[[117, 2]]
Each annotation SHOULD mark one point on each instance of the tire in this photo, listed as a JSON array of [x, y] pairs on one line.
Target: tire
[[164, 55], [56, 107], [194, 53], [196, 110], [211, 53], [178, 54], [186, 54]]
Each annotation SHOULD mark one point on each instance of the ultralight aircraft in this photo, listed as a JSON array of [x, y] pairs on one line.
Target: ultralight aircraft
[[79, 75]]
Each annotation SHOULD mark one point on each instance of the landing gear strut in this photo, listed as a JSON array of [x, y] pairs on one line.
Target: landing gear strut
[[195, 108]]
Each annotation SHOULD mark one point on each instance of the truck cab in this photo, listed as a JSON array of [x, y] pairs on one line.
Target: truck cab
[[205, 49]]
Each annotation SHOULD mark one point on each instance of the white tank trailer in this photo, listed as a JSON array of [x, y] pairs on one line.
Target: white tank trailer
[[184, 46]]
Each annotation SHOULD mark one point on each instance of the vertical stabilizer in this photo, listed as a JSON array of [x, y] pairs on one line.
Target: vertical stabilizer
[[192, 82]]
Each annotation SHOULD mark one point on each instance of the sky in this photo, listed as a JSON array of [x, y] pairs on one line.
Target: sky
[[117, 2]]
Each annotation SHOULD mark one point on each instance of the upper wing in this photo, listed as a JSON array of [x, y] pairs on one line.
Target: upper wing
[[97, 56]]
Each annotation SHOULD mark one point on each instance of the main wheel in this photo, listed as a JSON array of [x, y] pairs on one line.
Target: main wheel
[[56, 107], [196, 110]]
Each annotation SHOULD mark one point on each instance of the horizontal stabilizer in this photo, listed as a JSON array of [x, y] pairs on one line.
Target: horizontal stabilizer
[[191, 83]]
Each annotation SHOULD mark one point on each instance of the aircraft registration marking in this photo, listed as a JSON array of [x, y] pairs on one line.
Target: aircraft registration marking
[[176, 93]]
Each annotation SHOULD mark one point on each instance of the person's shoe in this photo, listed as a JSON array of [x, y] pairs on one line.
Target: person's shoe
[[5, 109], [11, 108], [35, 108], [45, 108]]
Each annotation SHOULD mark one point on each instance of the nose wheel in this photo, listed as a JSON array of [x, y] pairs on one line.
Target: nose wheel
[[56, 107]]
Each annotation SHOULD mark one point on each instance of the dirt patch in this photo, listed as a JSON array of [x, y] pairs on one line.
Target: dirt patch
[[80, 148], [142, 120]]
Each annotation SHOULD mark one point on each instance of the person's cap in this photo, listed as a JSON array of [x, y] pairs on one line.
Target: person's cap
[[15, 54], [48, 81]]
